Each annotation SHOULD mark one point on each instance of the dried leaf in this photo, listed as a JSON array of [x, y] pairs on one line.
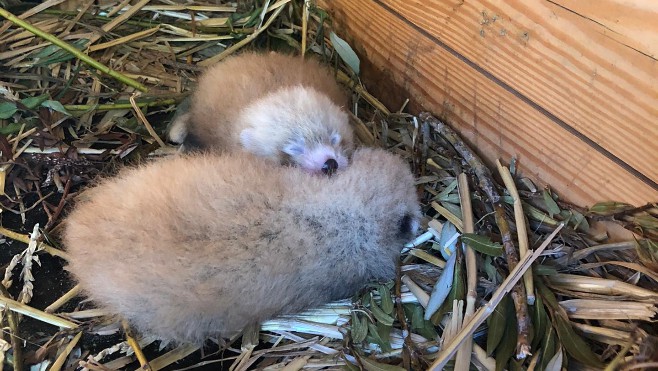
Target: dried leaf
[[482, 244], [345, 52]]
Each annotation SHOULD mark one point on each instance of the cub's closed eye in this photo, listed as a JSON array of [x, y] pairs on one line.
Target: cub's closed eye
[[406, 224], [335, 139]]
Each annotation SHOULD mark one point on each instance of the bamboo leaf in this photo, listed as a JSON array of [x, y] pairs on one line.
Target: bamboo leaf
[[548, 347], [573, 343], [359, 328], [442, 287], [34, 102], [540, 321], [482, 244], [371, 365], [345, 52], [507, 346], [55, 106], [387, 301], [606, 208], [555, 363], [7, 109], [496, 325], [551, 205], [380, 315], [374, 337]]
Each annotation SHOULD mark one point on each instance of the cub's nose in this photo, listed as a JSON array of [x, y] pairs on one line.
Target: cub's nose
[[330, 166]]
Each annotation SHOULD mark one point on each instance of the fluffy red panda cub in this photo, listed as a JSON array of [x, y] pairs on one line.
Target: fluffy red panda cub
[[281, 107], [203, 245]]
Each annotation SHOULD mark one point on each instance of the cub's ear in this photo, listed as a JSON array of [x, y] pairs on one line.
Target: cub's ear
[[248, 138], [294, 148]]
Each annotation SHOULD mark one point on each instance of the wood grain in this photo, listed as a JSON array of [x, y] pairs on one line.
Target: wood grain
[[493, 118], [602, 90], [632, 23]]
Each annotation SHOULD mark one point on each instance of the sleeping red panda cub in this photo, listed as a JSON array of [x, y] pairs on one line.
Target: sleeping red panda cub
[[280, 107], [227, 240]]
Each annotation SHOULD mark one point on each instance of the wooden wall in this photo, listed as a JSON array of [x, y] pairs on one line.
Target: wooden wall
[[570, 87]]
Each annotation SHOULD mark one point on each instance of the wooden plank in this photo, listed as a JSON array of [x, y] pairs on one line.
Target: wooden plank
[[632, 23], [493, 119], [594, 86]]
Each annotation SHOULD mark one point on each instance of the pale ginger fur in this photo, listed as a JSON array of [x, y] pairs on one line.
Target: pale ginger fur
[[199, 246]]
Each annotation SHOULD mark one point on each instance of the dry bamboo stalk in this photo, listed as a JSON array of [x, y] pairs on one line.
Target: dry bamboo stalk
[[452, 218], [26, 239], [124, 39], [417, 291], [59, 362], [16, 341], [144, 121], [117, 21], [485, 182], [605, 309], [521, 231], [485, 311], [343, 78], [595, 285], [304, 26], [233, 48], [71, 49], [130, 339], [172, 356], [63, 299], [463, 359], [35, 313]]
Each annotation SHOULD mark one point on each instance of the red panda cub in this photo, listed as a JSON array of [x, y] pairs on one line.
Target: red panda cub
[[229, 240], [280, 107]]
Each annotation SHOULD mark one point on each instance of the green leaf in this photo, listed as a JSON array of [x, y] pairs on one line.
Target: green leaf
[[12, 128], [55, 106], [445, 193], [7, 109], [548, 348], [371, 365], [387, 301], [555, 363], [374, 337], [482, 244], [34, 102], [551, 206], [497, 323], [345, 52], [380, 315], [573, 343], [580, 222], [359, 328], [540, 321], [647, 251], [507, 346], [607, 208]]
